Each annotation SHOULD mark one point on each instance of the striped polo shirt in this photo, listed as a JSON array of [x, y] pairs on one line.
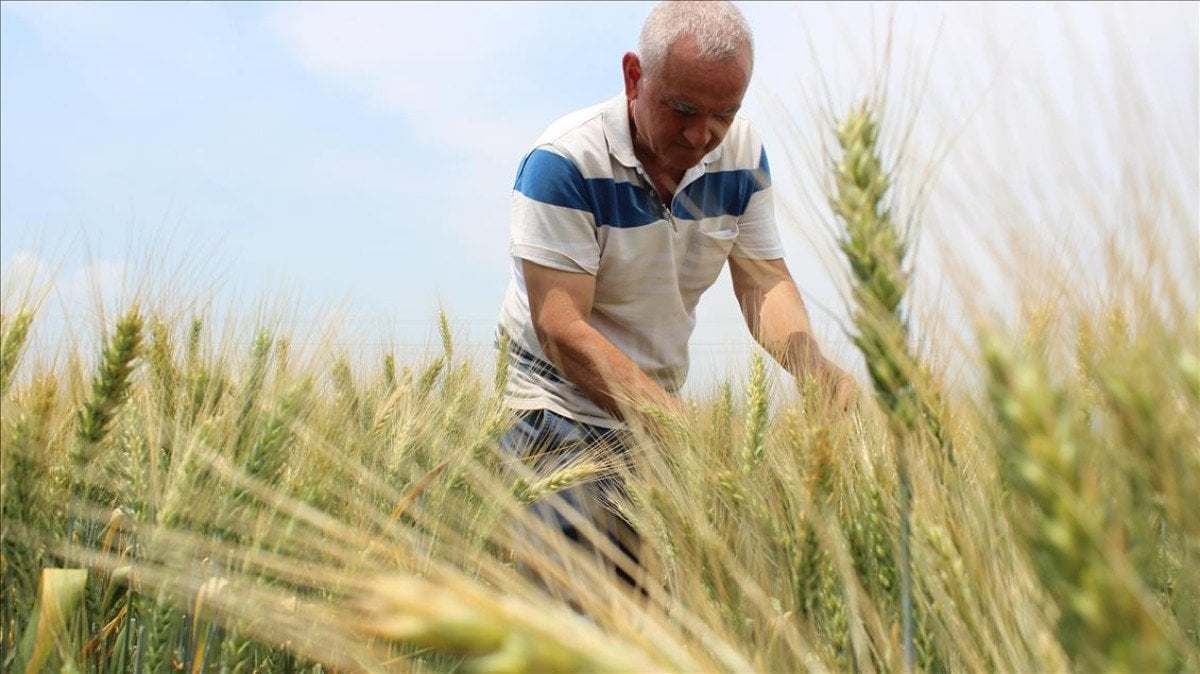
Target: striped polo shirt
[[582, 203]]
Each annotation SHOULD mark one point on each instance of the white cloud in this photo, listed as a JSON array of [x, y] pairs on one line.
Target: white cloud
[[102, 284], [22, 275], [474, 84], [379, 43], [67, 301], [478, 79], [27, 276], [444, 67]]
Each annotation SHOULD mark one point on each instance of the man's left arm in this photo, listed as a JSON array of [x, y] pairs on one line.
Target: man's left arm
[[778, 320]]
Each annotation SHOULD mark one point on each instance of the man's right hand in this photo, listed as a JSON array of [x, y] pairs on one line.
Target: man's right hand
[[842, 389]]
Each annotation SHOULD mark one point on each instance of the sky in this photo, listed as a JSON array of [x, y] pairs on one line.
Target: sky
[[359, 157]]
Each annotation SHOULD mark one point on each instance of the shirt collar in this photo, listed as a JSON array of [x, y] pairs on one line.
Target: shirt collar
[[620, 138]]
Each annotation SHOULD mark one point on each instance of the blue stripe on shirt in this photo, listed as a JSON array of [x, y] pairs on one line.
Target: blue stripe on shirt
[[623, 204], [553, 179], [722, 192]]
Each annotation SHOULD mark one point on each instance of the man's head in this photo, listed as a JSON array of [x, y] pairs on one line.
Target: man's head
[[687, 82]]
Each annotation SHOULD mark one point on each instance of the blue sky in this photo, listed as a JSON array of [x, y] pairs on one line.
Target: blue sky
[[361, 155]]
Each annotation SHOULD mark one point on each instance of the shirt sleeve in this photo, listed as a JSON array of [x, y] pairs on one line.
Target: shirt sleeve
[[758, 233], [552, 222]]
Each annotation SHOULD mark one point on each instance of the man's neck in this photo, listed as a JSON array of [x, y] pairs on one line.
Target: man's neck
[[665, 179]]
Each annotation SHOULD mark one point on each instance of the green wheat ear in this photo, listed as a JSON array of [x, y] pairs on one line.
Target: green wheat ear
[[389, 372], [1104, 621], [111, 384], [876, 249], [14, 332], [500, 374], [756, 414], [447, 336]]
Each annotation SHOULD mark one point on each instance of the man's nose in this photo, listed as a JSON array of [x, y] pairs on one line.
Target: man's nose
[[698, 132]]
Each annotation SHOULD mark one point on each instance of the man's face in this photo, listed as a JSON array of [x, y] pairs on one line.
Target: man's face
[[683, 112]]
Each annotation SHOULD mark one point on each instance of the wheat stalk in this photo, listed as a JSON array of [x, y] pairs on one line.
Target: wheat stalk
[[756, 414], [1104, 622], [162, 363], [563, 478], [494, 634], [875, 249], [110, 387], [14, 331], [500, 375], [389, 372], [251, 389]]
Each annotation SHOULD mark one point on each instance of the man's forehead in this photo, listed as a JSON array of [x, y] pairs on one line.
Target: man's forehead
[[704, 82]]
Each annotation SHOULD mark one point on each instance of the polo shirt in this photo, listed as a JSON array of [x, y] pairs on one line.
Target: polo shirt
[[583, 203]]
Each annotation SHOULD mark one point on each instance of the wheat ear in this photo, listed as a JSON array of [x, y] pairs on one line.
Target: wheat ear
[[876, 248], [14, 334], [111, 384]]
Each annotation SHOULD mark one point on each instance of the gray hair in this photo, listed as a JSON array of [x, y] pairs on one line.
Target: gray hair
[[719, 28]]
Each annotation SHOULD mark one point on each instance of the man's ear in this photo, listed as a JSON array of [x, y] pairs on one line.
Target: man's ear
[[631, 67]]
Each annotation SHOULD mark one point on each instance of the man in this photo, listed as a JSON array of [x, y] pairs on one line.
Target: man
[[622, 215]]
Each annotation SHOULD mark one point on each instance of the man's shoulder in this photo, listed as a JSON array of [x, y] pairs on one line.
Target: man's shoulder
[[742, 148], [572, 123], [584, 127]]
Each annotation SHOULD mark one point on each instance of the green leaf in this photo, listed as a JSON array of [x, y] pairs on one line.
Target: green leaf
[[60, 593]]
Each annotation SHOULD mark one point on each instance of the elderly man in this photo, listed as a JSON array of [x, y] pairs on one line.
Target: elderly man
[[622, 215]]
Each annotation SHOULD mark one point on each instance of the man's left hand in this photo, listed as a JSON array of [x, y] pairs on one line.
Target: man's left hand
[[844, 390]]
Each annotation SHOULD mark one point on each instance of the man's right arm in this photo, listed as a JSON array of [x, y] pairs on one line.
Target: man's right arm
[[560, 303]]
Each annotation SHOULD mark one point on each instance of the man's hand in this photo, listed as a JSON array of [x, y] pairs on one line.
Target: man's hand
[[840, 387], [560, 303], [661, 423], [827, 388], [777, 318]]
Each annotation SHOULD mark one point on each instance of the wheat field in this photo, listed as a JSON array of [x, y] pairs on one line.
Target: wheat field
[[184, 492]]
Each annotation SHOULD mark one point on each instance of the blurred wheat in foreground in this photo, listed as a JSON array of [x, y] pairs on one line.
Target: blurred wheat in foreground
[[175, 499]]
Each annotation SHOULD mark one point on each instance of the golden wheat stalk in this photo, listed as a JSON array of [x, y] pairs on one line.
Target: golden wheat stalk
[[564, 478], [756, 414]]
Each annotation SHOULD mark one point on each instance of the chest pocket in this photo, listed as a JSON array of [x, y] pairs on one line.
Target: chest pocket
[[704, 256]]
